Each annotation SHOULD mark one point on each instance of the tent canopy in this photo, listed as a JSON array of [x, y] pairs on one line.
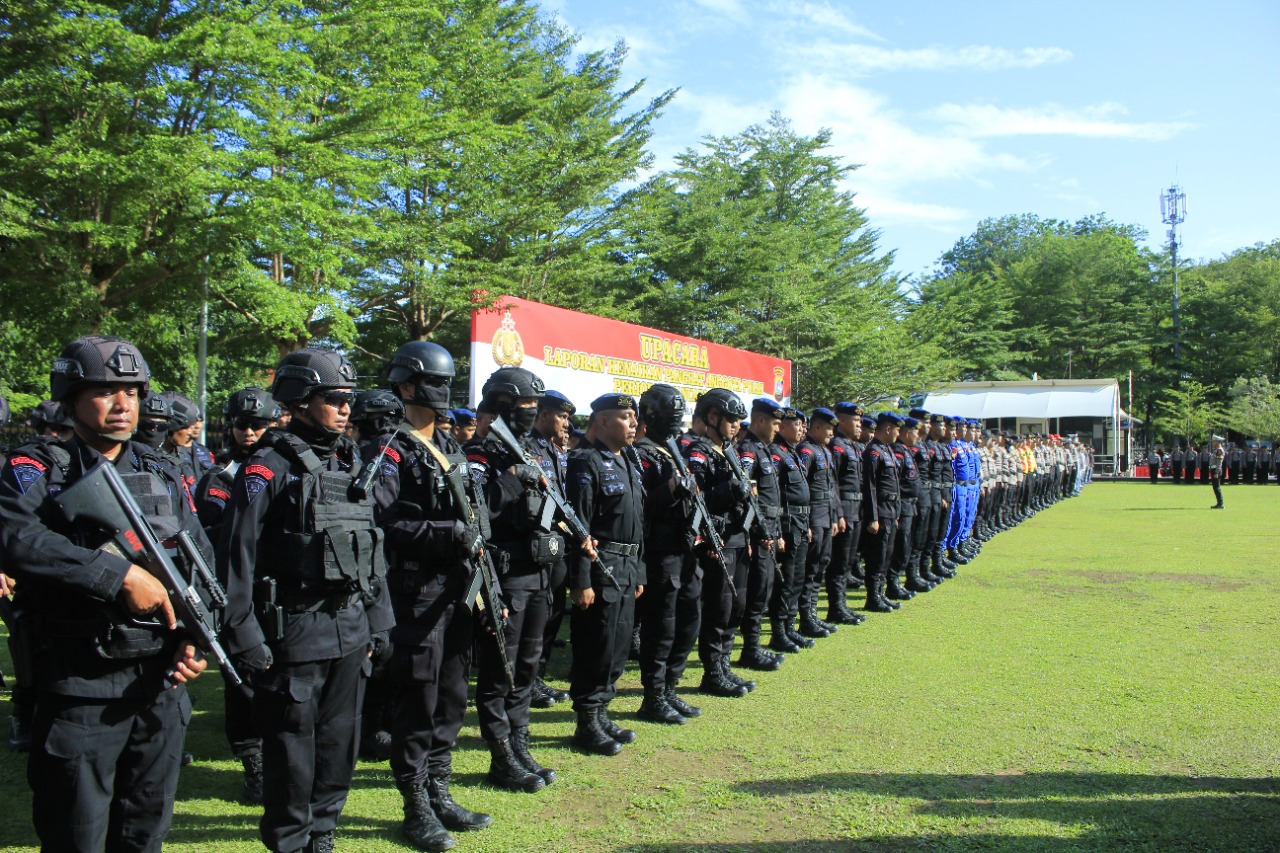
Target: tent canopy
[[1048, 398]]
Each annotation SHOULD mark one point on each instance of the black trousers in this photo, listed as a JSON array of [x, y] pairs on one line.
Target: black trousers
[[903, 545], [817, 559], [104, 773], [559, 606], [670, 614], [877, 550], [430, 696], [237, 720], [922, 532], [601, 637], [844, 548], [499, 707], [309, 716], [723, 603], [786, 592], [760, 582]]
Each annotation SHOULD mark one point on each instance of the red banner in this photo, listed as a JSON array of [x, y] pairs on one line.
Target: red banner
[[583, 356]]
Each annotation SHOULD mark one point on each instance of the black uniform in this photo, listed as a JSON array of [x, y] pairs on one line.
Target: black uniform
[[670, 610], [302, 563], [558, 581], [880, 502], [846, 453], [946, 494], [607, 492], [824, 512], [761, 470], [525, 548], [107, 731], [927, 464], [724, 585], [795, 530], [909, 490]]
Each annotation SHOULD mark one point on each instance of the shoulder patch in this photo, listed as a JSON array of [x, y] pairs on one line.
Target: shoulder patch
[[256, 478], [393, 454], [26, 471]]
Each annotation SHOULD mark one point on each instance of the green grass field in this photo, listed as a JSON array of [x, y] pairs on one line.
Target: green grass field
[[1103, 677]]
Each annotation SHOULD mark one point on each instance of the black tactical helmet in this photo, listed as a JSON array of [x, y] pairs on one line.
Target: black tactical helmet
[[97, 360], [157, 407], [721, 400], [185, 410], [251, 402], [378, 411], [308, 370], [662, 408], [50, 414], [513, 382], [419, 358]]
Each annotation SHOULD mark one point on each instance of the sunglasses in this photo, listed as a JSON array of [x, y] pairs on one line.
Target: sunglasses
[[255, 424], [338, 399]]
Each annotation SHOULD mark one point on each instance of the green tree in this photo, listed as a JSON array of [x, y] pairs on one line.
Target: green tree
[[1185, 413], [1255, 407]]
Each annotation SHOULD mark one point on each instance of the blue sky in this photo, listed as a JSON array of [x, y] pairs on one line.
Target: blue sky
[[963, 110]]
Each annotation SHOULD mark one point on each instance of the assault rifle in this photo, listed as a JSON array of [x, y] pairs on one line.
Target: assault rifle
[[573, 524], [101, 498], [480, 592]]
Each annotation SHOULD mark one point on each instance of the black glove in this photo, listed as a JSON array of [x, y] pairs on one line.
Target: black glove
[[257, 659], [683, 486], [381, 648], [739, 490], [530, 475], [469, 541]]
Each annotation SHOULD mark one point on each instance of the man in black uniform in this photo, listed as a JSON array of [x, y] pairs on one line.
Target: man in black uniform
[[192, 457], [307, 605], [249, 412], [50, 419], [670, 611], [526, 546], [606, 489], [880, 509], [911, 488], [551, 438], [846, 452], [794, 483], [826, 517], [940, 435], [929, 463], [111, 707], [717, 415], [766, 534], [432, 552]]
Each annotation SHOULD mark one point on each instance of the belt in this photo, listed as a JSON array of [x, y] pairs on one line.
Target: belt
[[300, 602], [851, 496], [770, 511], [622, 549], [815, 494], [798, 511], [909, 500]]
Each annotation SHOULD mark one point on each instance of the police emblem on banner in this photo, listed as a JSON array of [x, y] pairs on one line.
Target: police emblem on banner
[[508, 348]]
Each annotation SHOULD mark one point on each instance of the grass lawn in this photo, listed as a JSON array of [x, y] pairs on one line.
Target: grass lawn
[[1103, 677]]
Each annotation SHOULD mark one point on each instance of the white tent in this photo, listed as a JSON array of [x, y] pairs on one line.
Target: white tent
[[1048, 398]]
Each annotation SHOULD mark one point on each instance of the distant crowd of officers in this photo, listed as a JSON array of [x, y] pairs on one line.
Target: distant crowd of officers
[[378, 549], [1254, 464]]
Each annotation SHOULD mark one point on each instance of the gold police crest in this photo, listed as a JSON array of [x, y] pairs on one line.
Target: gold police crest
[[508, 348]]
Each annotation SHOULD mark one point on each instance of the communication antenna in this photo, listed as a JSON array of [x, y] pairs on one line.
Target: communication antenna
[[1173, 210]]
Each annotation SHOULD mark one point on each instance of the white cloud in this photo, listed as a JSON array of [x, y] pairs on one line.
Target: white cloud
[[857, 58], [1097, 121], [734, 10], [822, 16]]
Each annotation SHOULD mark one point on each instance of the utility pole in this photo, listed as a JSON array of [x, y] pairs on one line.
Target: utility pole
[[1173, 210]]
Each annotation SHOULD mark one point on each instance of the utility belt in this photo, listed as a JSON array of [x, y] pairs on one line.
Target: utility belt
[[798, 513], [541, 548], [112, 637], [622, 549], [816, 495], [297, 601], [909, 500], [770, 511], [850, 496], [273, 604]]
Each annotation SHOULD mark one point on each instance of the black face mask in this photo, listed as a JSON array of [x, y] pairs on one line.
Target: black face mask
[[432, 393], [661, 430], [151, 434], [521, 420]]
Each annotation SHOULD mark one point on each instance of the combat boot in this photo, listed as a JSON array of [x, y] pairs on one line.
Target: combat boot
[[915, 582], [19, 735], [714, 682], [796, 637], [656, 709], [589, 737], [810, 626], [681, 707], [540, 695], [422, 825], [925, 571], [894, 591], [838, 612], [507, 771], [453, 816], [780, 641], [320, 842], [734, 677], [957, 558], [754, 657], [612, 729], [520, 748], [876, 602], [251, 792]]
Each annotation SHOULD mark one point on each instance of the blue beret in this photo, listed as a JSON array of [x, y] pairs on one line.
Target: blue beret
[[613, 402], [799, 415], [446, 416], [888, 418], [558, 401], [768, 406], [956, 419], [910, 422], [847, 408], [869, 423], [972, 422], [822, 413], [464, 417]]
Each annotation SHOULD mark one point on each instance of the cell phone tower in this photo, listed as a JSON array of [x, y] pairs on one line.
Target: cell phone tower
[[1173, 210]]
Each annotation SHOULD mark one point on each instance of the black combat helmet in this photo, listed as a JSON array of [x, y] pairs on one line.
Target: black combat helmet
[[251, 402], [419, 358], [376, 412], [514, 382], [97, 360], [50, 414], [185, 410], [720, 400], [662, 409], [306, 371], [155, 419]]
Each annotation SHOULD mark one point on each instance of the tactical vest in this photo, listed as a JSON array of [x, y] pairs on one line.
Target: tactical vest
[[330, 546]]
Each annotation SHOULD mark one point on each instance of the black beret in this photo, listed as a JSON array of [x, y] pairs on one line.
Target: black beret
[[613, 402], [847, 408], [768, 406]]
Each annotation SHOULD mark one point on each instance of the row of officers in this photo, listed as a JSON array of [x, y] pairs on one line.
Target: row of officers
[[367, 562], [1240, 464]]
